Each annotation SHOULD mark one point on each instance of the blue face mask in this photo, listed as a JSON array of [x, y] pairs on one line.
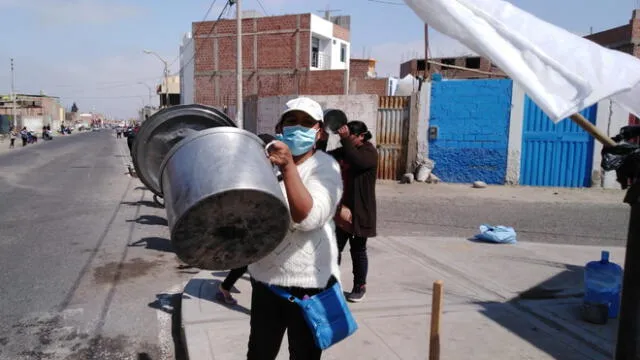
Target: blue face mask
[[298, 138]]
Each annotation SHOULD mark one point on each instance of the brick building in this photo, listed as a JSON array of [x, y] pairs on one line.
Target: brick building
[[32, 110], [289, 54], [625, 38], [364, 80], [422, 68]]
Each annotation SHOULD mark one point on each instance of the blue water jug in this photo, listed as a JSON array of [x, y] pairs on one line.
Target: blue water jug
[[603, 284]]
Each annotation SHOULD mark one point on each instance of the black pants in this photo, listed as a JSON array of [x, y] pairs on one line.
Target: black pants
[[358, 248], [271, 315], [12, 144], [232, 277], [24, 141]]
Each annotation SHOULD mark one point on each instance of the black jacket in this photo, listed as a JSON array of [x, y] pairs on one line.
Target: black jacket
[[360, 190]]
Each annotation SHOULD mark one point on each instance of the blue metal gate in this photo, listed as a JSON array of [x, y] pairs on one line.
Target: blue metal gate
[[555, 154]]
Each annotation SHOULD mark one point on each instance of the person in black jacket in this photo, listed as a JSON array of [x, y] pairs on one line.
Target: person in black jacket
[[356, 216]]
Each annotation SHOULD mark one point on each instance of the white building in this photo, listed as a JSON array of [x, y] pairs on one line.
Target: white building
[[187, 69], [328, 52]]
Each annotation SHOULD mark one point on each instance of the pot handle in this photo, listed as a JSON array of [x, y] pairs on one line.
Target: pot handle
[[276, 170]]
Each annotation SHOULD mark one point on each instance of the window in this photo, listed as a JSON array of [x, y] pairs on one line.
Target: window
[[343, 53], [472, 63], [449, 61], [315, 51]]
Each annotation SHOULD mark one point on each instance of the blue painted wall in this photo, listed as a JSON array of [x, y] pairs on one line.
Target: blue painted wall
[[472, 117]]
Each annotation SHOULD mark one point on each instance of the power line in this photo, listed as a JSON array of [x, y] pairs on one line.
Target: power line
[[206, 15], [262, 7], [224, 9]]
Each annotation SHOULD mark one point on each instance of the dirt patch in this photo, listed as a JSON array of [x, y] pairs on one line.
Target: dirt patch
[[115, 271], [101, 347]]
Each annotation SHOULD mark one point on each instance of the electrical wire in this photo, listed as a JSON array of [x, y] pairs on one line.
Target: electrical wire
[[262, 7], [206, 15], [224, 9]]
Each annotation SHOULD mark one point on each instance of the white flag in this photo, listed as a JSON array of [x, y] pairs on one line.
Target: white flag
[[563, 73]]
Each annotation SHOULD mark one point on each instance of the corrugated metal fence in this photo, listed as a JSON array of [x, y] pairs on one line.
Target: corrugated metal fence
[[392, 136]]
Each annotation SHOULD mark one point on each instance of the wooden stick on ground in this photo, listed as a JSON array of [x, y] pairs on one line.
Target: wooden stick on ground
[[436, 313]]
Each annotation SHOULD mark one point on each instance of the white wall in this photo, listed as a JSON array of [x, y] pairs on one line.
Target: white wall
[[610, 118], [33, 123], [321, 26], [187, 73], [423, 121], [329, 45], [335, 55], [356, 107], [515, 135]]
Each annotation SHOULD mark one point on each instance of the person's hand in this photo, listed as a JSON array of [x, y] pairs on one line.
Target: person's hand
[[323, 135], [280, 154], [344, 132]]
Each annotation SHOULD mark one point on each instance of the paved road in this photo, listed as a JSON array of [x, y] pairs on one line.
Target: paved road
[[87, 270], [560, 216]]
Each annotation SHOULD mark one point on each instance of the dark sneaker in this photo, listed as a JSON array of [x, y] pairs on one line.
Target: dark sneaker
[[357, 294]]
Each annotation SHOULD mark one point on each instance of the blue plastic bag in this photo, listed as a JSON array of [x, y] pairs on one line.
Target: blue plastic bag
[[497, 234]]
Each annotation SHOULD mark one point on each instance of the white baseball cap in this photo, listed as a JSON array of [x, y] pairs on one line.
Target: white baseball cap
[[306, 105]]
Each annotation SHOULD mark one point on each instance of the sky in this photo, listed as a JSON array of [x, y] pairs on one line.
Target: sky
[[91, 51]]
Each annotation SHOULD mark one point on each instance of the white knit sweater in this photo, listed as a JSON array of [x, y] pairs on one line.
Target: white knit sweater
[[308, 255]]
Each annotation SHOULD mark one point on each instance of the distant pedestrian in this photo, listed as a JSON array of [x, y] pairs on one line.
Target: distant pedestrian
[[24, 135], [356, 216], [118, 133], [12, 139]]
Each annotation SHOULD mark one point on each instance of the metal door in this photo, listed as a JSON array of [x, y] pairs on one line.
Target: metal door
[[555, 154], [392, 136]]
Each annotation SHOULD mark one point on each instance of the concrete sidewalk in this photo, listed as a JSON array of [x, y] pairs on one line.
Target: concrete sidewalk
[[501, 301]]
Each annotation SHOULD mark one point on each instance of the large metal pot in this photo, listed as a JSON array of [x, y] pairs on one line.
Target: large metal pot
[[163, 130], [224, 204]]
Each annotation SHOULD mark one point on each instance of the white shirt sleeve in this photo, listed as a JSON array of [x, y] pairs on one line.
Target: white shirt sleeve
[[325, 186]]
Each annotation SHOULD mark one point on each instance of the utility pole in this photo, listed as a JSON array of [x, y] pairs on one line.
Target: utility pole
[[239, 97], [166, 75], [166, 84], [13, 97]]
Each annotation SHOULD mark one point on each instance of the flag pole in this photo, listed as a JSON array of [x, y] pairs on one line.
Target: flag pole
[[592, 129]]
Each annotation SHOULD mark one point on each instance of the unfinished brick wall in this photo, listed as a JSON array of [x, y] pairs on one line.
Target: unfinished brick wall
[[325, 82], [409, 67], [359, 68], [368, 86], [276, 54], [341, 33]]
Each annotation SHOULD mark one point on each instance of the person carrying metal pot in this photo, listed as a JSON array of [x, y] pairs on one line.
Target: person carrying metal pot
[[356, 216], [306, 262], [224, 289]]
